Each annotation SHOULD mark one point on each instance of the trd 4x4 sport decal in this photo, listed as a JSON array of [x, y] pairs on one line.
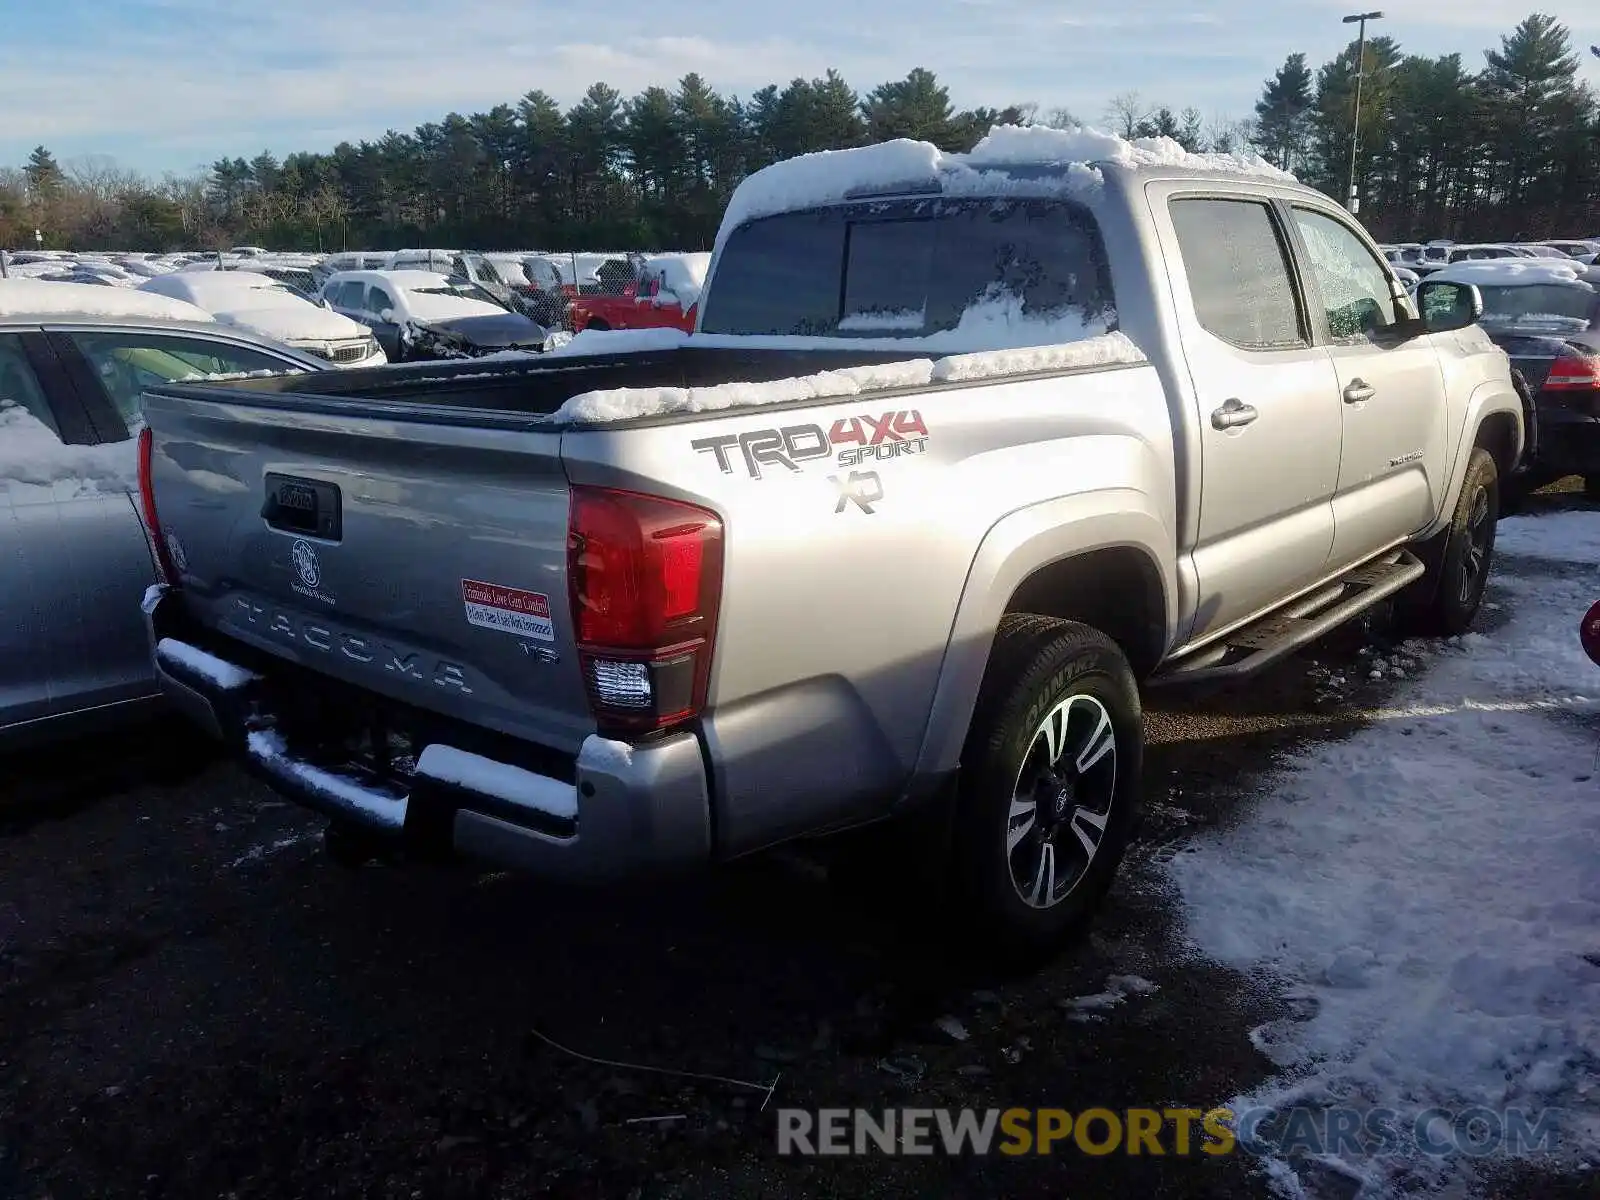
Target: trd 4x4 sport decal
[[849, 442]]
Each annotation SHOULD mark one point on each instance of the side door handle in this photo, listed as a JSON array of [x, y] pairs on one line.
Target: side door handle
[[1232, 415], [1357, 390]]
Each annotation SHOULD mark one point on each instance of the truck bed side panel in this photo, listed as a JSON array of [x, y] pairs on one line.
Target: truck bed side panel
[[851, 529]]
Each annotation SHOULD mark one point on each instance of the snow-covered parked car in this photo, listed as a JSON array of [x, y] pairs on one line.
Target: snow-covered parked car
[[1545, 314], [259, 303], [74, 363], [423, 315]]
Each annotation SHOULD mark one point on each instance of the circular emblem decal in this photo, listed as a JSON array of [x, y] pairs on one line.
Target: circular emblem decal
[[304, 557]]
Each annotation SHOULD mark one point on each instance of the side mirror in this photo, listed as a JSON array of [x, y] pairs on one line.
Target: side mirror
[[1446, 307], [387, 316]]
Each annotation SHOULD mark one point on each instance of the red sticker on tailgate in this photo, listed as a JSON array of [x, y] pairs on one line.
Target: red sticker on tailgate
[[508, 609]]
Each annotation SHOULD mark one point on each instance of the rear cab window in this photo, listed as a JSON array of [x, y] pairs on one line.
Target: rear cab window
[[913, 268]]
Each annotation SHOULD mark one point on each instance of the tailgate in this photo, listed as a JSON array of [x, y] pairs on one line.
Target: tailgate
[[423, 559]]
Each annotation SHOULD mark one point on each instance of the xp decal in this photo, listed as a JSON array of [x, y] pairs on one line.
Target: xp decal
[[861, 488], [849, 442]]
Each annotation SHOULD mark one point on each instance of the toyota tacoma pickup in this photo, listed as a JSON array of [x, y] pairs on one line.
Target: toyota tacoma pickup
[[964, 452]]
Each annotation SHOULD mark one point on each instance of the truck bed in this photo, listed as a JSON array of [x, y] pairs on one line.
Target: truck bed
[[535, 388]]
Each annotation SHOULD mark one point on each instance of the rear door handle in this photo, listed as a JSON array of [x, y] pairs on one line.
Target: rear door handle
[[1357, 390], [1233, 414]]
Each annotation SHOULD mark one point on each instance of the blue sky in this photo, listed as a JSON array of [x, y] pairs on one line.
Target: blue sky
[[172, 84]]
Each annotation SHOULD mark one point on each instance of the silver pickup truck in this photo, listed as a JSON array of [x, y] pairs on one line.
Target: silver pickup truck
[[964, 451]]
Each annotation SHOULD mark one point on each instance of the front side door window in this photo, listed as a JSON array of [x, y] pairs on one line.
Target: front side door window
[[1353, 284]]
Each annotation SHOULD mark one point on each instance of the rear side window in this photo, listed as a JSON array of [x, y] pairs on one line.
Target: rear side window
[[20, 391], [1238, 269], [907, 269], [348, 295], [128, 362]]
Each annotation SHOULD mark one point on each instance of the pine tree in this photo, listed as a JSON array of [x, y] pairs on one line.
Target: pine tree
[[914, 107], [45, 179], [1283, 114]]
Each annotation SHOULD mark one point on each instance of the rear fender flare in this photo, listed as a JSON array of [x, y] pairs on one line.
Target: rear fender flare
[[1015, 547]]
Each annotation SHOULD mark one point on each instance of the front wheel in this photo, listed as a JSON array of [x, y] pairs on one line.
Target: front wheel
[[1050, 783], [1448, 596]]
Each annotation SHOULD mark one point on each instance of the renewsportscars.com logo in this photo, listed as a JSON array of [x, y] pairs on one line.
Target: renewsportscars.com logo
[[1154, 1132]]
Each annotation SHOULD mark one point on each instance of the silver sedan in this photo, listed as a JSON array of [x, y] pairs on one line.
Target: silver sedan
[[73, 555]]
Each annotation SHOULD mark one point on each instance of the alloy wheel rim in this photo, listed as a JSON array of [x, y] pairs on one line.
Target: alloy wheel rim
[[1061, 802]]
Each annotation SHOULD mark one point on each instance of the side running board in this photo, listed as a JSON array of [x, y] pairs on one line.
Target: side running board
[[1284, 630]]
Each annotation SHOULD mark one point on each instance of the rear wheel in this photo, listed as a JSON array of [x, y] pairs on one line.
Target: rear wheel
[[1050, 783], [1447, 598], [598, 324]]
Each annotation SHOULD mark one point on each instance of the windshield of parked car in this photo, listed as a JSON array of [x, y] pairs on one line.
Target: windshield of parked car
[[470, 291], [1569, 306], [908, 269]]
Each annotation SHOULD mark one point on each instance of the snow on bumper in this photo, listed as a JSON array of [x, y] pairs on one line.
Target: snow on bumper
[[626, 810]]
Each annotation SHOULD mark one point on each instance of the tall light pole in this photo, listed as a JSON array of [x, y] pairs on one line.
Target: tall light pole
[[1354, 202]]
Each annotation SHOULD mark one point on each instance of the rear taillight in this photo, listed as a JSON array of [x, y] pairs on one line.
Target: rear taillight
[[645, 577], [147, 506], [1574, 371]]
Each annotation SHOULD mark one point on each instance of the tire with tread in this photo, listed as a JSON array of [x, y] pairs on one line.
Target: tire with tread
[[1037, 663], [1445, 600]]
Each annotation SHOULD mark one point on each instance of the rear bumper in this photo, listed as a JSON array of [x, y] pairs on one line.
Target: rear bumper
[[1569, 442], [618, 811]]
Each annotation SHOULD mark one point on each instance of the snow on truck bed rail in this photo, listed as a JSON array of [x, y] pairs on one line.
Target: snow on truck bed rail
[[620, 404], [830, 176]]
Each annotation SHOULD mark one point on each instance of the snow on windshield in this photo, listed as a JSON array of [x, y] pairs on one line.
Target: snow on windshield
[[830, 176]]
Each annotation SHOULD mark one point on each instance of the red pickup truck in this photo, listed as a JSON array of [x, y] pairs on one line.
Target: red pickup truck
[[663, 294]]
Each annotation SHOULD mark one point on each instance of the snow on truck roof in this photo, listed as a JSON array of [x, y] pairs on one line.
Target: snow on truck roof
[[38, 299], [1074, 157]]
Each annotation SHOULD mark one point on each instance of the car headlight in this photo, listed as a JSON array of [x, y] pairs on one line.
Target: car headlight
[[370, 347]]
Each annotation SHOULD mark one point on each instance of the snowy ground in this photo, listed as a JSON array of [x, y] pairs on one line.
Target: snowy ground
[[1426, 892], [1370, 873]]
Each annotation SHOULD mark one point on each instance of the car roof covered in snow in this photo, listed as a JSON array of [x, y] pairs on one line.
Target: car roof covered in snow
[[33, 300], [1517, 272], [407, 280]]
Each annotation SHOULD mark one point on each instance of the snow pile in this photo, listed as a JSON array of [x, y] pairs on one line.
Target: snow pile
[[30, 453], [257, 303], [1106, 350], [1429, 889], [37, 299], [684, 275], [1513, 272], [830, 176], [620, 404], [1022, 145]]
